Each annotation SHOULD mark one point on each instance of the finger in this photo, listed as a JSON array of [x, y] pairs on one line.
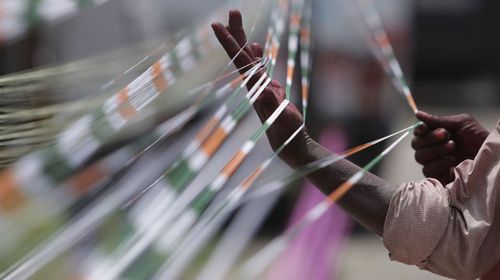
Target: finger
[[421, 130], [257, 50], [275, 85], [235, 28], [433, 153], [449, 122], [231, 47], [439, 168], [435, 137]]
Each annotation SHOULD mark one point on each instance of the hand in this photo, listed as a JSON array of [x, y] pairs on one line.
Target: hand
[[233, 38], [442, 142]]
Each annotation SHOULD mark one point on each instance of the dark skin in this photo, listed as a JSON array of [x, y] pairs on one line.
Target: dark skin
[[369, 200], [442, 142]]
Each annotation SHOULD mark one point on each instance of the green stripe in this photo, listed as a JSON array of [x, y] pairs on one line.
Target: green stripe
[[116, 230], [100, 127], [32, 13], [194, 46], [374, 162], [175, 67], [202, 200], [180, 175], [403, 81], [241, 110], [232, 96], [145, 267], [260, 132], [55, 166]]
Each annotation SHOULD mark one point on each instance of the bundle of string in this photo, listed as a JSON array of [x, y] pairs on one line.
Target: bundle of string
[[152, 223]]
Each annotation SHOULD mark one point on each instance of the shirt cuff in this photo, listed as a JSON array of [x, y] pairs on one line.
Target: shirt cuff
[[416, 221]]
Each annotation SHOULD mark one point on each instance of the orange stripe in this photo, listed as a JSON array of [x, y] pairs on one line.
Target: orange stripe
[[236, 81], [289, 73], [383, 40], [340, 192], [412, 103], [158, 78], [10, 195], [127, 111], [205, 131], [213, 143], [82, 182], [356, 149], [122, 95], [305, 35], [233, 164], [250, 179], [305, 92], [274, 50], [295, 19], [269, 38], [268, 43]]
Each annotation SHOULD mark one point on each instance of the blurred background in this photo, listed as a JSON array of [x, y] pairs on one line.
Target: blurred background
[[449, 51]]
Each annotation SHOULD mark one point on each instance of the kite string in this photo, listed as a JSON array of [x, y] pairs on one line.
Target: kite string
[[388, 60], [233, 199], [231, 165], [258, 263]]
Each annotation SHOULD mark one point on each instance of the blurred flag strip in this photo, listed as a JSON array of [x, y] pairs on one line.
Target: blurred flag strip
[[233, 83], [42, 170], [293, 43], [305, 56], [129, 255], [146, 207], [88, 177], [205, 198], [258, 263], [81, 183], [387, 58], [100, 172]]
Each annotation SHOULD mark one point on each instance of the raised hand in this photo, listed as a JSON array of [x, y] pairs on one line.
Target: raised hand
[[443, 142], [233, 39]]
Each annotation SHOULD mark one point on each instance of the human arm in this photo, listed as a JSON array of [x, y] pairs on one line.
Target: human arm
[[367, 202], [450, 230]]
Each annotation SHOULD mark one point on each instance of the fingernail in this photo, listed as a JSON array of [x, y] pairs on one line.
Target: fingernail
[[450, 145], [441, 134]]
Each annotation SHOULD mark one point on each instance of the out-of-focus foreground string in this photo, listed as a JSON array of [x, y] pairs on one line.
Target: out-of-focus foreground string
[[152, 222], [78, 139]]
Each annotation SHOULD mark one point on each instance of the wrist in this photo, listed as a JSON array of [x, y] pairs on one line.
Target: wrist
[[302, 150]]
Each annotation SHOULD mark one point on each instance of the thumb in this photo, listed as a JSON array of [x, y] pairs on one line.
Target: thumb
[[434, 121]]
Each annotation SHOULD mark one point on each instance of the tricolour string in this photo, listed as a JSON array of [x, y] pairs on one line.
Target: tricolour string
[[388, 59], [258, 263]]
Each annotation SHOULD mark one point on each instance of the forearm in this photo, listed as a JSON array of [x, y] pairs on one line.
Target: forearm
[[367, 202]]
